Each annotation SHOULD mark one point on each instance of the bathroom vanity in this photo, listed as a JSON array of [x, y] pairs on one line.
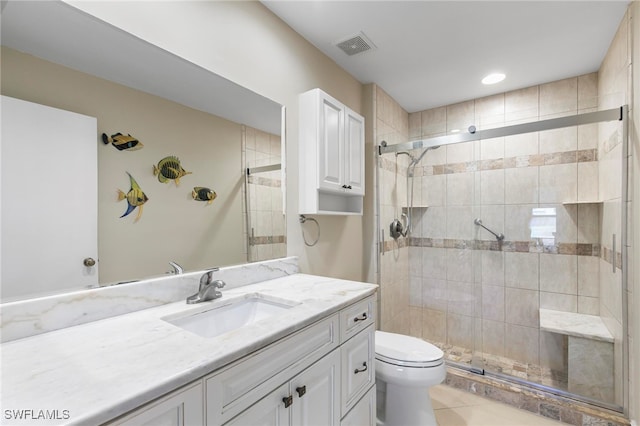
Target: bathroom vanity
[[294, 350]]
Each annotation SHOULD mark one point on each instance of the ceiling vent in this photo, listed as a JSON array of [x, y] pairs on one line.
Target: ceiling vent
[[356, 44]]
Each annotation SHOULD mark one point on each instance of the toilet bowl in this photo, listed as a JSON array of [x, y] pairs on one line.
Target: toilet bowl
[[406, 367]]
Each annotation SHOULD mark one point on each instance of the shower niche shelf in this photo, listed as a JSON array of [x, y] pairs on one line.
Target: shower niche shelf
[[572, 203]]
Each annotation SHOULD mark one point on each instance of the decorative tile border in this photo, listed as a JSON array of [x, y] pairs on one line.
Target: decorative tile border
[[546, 404], [576, 249], [535, 160], [269, 239], [262, 181]]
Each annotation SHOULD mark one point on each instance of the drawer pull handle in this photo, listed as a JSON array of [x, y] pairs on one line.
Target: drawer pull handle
[[301, 391], [360, 370], [287, 401], [362, 317]]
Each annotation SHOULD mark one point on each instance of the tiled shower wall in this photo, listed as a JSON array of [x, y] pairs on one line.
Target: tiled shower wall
[[465, 290], [265, 237], [392, 126], [614, 90]]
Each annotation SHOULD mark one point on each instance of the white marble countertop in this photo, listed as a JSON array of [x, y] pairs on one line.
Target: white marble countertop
[[577, 325], [103, 369]]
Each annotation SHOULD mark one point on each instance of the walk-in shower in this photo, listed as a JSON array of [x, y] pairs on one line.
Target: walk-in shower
[[515, 234]]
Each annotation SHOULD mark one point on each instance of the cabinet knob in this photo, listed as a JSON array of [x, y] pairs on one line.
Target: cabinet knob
[[361, 370], [88, 262], [287, 401], [301, 391], [362, 317]]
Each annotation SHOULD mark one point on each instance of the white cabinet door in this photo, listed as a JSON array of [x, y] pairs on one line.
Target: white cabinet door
[[49, 198], [180, 408], [364, 412], [269, 411], [316, 396], [331, 145], [354, 153]]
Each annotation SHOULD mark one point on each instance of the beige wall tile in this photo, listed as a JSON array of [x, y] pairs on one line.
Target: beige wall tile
[[434, 122], [521, 104], [558, 183], [522, 307], [521, 185], [460, 223], [460, 298], [518, 145], [553, 351], [522, 270], [559, 302], [434, 190], [559, 98], [460, 330], [558, 140], [522, 343], [558, 273], [460, 190], [461, 115], [588, 91], [493, 337], [492, 186], [492, 263], [588, 276], [588, 305], [493, 303], [588, 181], [434, 264], [434, 325], [517, 222], [460, 265], [588, 223], [434, 294]]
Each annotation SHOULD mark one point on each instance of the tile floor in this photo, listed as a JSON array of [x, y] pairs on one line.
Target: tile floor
[[454, 407]]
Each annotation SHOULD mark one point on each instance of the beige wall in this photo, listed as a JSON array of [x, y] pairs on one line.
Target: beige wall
[[173, 226], [223, 37]]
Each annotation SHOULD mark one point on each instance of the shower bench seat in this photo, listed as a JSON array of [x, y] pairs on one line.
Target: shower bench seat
[[590, 360]]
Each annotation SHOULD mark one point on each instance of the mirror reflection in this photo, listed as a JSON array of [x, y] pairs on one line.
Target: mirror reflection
[[214, 128]]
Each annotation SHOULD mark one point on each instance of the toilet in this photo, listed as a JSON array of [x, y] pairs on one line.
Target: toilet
[[406, 367]]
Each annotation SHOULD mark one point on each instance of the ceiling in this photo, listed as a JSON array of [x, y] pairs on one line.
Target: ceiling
[[434, 53]]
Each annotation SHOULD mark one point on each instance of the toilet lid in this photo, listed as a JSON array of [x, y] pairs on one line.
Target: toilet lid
[[406, 351]]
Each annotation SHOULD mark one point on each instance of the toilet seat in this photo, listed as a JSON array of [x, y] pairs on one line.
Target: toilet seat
[[407, 351]]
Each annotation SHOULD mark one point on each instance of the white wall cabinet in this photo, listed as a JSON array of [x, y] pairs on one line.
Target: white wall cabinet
[[331, 154], [321, 375]]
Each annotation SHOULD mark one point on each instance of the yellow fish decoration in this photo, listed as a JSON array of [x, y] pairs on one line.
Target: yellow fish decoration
[[135, 198], [201, 193], [122, 142], [169, 168]]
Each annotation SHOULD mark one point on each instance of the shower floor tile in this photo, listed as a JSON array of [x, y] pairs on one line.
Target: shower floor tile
[[499, 364]]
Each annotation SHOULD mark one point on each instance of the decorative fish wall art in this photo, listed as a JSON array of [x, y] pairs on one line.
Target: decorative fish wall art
[[169, 168], [135, 198], [122, 142], [200, 193]]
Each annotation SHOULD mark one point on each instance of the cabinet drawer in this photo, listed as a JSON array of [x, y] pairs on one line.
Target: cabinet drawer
[[238, 386], [357, 317], [358, 367]]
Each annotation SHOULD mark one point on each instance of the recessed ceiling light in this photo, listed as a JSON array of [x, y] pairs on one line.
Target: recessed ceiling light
[[493, 78]]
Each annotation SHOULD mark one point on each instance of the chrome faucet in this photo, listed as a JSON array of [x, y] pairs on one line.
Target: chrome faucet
[[177, 269], [208, 289]]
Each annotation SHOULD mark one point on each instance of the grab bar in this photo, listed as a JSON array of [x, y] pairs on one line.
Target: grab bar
[[478, 222]]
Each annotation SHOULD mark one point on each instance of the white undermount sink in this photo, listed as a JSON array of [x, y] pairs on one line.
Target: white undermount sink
[[228, 317]]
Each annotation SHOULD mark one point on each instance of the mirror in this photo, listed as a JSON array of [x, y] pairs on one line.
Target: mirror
[[55, 55]]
